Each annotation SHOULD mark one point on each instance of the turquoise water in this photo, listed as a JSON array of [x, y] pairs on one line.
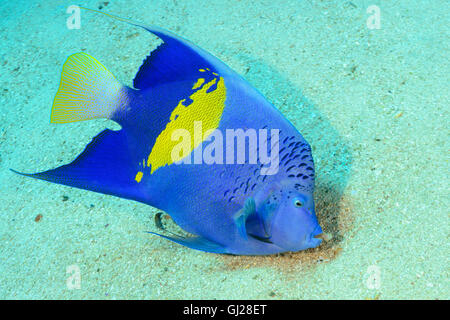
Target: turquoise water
[[373, 103]]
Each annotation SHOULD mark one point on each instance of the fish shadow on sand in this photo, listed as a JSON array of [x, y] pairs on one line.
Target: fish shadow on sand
[[332, 156]]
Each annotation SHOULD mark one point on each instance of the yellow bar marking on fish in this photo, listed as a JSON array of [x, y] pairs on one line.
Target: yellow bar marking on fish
[[201, 70], [139, 176], [205, 107], [198, 83]]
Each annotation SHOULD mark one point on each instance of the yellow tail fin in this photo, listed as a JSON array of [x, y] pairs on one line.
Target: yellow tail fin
[[87, 91]]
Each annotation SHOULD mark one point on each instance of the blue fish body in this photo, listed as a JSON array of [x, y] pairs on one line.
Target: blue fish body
[[185, 99]]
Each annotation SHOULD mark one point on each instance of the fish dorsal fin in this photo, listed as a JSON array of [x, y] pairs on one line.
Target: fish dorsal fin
[[170, 62], [176, 59]]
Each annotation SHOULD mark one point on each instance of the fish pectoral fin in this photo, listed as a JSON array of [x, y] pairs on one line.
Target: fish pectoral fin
[[266, 215], [263, 239], [240, 217], [259, 225], [196, 242]]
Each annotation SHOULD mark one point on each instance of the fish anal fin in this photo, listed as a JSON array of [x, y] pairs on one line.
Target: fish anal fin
[[105, 166]]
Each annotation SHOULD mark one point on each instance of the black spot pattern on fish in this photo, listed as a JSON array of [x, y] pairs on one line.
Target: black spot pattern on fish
[[291, 167], [242, 184], [295, 162]]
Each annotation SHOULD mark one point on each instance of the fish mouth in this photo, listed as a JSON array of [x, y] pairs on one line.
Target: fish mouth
[[323, 236], [317, 236], [320, 236], [317, 233]]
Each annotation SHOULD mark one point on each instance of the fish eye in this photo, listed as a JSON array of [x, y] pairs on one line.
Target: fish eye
[[298, 203]]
